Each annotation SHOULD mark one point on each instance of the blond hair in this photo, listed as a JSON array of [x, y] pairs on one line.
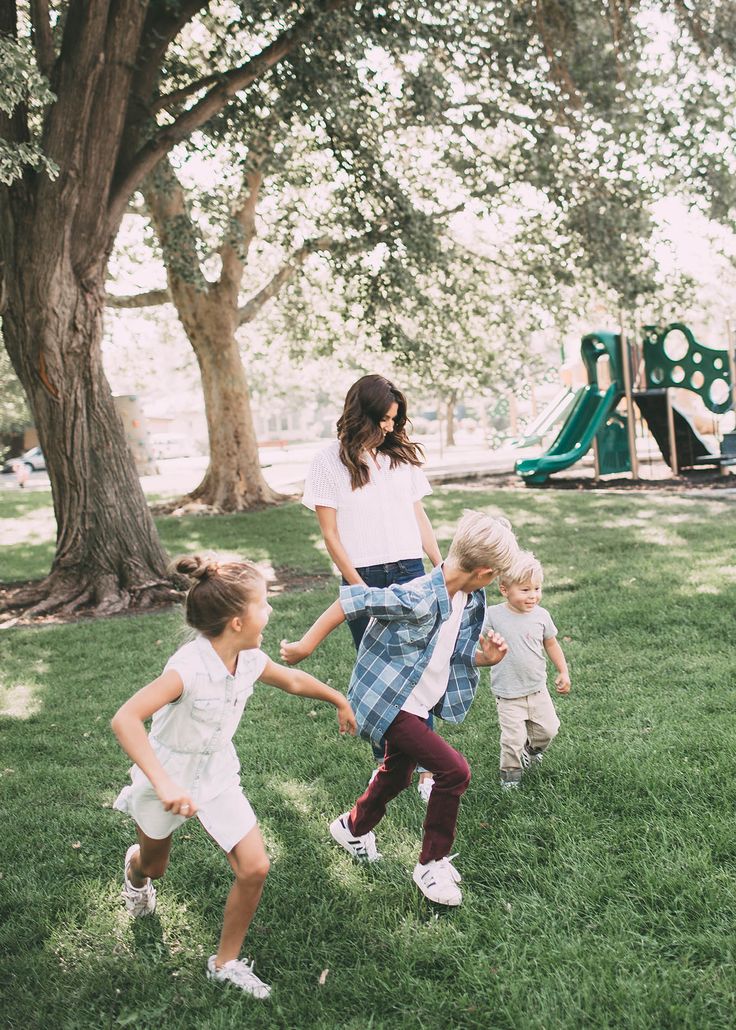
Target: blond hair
[[221, 590], [525, 568], [483, 541]]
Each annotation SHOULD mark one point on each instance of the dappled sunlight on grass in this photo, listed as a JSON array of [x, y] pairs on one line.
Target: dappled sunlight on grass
[[300, 795], [607, 881], [20, 695], [19, 701], [31, 527], [709, 576]]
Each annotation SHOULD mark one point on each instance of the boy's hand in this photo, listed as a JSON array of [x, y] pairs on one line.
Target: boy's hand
[[346, 719], [493, 649], [293, 653], [562, 682]]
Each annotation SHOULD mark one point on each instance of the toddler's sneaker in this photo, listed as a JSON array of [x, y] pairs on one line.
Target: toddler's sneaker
[[424, 787], [239, 973], [363, 848], [139, 901], [510, 784], [530, 758], [437, 880]]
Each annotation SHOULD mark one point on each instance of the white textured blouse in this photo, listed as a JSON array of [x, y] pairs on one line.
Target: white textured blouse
[[376, 523]]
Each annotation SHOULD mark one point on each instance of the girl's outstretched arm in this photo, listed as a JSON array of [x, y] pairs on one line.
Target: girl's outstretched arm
[[429, 541], [293, 653], [294, 681], [127, 725]]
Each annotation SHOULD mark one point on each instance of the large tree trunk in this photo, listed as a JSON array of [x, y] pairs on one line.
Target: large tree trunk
[[107, 554], [56, 235], [233, 481], [209, 314]]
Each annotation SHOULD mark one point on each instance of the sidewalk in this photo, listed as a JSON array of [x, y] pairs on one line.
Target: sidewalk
[[284, 467]]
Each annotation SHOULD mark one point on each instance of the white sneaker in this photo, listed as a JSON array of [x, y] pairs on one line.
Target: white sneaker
[[139, 901], [239, 973], [424, 788], [437, 880], [363, 848]]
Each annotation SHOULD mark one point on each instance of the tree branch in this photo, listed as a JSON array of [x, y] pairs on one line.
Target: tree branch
[[250, 309], [177, 95], [234, 250], [150, 299], [43, 42], [229, 83]]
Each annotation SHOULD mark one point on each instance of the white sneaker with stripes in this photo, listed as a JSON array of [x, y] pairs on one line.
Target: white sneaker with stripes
[[363, 848], [438, 881]]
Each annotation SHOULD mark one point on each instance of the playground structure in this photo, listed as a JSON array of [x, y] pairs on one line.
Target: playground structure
[[624, 378]]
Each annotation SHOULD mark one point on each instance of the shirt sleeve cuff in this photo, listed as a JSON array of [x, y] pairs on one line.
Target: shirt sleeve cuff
[[352, 599]]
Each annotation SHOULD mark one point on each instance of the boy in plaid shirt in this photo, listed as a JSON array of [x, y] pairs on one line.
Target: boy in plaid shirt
[[420, 653]]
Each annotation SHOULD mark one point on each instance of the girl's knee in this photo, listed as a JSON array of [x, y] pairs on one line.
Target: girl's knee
[[254, 873]]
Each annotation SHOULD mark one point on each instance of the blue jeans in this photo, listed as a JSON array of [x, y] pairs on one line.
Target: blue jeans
[[385, 576]]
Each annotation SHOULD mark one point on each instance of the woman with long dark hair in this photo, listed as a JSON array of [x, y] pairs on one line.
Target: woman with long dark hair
[[366, 488]]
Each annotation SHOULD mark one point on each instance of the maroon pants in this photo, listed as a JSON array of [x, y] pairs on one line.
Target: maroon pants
[[410, 742]]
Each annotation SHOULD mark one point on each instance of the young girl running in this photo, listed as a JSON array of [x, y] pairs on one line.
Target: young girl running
[[366, 489], [187, 765]]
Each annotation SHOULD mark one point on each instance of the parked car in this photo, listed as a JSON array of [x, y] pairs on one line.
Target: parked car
[[33, 460]]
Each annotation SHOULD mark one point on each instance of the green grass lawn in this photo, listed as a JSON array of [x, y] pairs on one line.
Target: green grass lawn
[[602, 894]]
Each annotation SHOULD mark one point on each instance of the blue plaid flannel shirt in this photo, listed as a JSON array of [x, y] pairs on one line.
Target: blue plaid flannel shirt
[[398, 644]]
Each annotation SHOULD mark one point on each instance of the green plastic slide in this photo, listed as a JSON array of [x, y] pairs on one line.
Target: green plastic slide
[[592, 408]]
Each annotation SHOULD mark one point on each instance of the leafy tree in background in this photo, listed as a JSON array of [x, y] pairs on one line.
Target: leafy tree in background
[[361, 158], [553, 82], [113, 120]]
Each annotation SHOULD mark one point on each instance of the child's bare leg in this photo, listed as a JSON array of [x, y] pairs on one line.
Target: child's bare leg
[[250, 864], [151, 859]]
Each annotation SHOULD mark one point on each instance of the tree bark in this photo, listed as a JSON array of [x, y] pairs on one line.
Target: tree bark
[[55, 240], [209, 314], [107, 551], [233, 480]]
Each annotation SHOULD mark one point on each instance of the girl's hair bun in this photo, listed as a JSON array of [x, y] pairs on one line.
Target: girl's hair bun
[[197, 566]]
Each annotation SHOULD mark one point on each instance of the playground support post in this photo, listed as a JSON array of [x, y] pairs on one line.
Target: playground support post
[[630, 416], [731, 360], [674, 464], [596, 459]]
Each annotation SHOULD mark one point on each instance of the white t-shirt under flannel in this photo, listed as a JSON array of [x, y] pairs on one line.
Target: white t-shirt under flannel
[[433, 683], [376, 523]]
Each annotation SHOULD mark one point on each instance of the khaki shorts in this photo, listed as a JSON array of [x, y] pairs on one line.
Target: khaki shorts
[[227, 818]]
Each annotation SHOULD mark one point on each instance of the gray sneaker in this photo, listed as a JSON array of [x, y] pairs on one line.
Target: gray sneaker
[[530, 758], [363, 848], [240, 974], [139, 901]]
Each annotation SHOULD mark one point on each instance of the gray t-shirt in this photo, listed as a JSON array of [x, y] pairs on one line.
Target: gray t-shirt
[[524, 669]]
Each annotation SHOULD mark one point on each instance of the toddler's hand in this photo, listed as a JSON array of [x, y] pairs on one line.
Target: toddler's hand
[[493, 647], [293, 653], [562, 682], [346, 719]]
